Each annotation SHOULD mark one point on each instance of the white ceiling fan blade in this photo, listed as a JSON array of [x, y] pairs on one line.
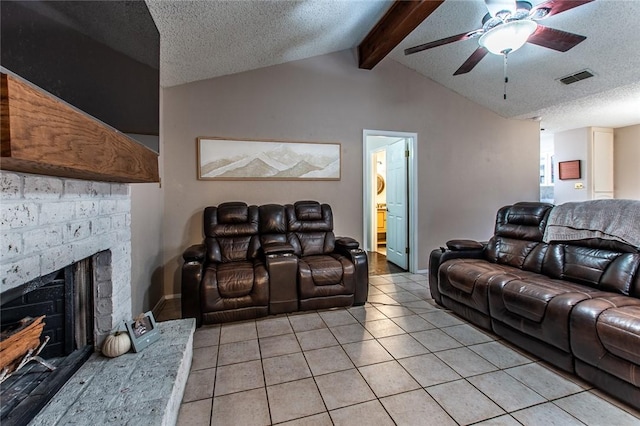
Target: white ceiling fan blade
[[496, 7]]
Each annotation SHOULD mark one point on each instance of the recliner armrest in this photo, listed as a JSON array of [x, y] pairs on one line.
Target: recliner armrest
[[347, 243], [277, 248], [350, 248], [195, 253], [460, 245]]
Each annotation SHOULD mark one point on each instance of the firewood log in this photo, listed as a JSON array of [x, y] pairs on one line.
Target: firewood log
[[16, 342]]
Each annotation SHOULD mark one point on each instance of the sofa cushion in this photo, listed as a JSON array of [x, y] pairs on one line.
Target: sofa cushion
[[605, 333], [536, 305], [603, 269], [619, 332], [530, 297], [466, 281], [521, 254]]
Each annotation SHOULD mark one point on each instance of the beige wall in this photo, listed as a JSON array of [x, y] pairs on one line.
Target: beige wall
[[626, 157], [147, 212], [471, 160], [146, 241], [572, 145]]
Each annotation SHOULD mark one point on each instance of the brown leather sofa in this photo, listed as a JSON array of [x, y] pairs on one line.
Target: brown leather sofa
[[271, 259], [575, 304]]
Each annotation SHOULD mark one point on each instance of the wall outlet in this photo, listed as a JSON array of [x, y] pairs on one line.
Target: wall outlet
[[579, 185]]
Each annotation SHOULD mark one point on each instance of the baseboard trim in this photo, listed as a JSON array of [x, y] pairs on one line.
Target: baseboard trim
[[158, 306]]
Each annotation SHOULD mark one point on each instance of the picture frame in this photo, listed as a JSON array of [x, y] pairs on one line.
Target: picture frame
[[143, 332], [569, 170], [249, 159]]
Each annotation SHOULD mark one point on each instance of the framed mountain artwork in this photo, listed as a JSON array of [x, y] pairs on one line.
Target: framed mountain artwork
[[244, 159]]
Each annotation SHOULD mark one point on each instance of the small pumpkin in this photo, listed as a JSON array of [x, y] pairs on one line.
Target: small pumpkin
[[116, 344]]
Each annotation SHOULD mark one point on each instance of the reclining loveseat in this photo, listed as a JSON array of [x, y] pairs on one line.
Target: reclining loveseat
[[270, 259], [572, 302]]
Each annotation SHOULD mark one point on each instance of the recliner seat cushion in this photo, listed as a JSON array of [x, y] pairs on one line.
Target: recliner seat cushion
[[325, 270], [212, 289], [235, 279], [326, 275]]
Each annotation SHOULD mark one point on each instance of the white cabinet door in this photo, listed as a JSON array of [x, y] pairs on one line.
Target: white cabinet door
[[602, 164]]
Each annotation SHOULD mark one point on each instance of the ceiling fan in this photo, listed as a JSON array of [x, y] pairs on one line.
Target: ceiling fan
[[508, 26]]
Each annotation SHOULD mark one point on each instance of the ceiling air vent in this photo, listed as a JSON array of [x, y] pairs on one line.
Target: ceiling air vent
[[573, 78]]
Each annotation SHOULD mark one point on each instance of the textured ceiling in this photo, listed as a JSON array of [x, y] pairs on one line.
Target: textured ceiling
[[205, 39]]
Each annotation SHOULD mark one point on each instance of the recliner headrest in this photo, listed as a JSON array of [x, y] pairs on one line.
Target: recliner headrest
[[233, 212], [308, 210], [230, 220], [525, 221], [528, 213]]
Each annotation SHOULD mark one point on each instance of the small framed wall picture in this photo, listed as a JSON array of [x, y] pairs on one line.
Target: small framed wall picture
[[569, 169], [143, 331]]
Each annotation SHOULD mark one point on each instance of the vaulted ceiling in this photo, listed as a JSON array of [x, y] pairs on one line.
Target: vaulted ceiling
[[205, 39]]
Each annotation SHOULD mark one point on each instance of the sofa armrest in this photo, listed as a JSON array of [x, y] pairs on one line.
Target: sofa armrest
[[441, 255], [195, 253]]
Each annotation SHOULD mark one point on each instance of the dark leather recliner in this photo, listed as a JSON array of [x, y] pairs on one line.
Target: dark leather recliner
[[270, 259], [224, 279], [326, 269]]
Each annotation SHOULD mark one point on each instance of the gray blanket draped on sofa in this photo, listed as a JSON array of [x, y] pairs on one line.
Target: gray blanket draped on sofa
[[617, 220]]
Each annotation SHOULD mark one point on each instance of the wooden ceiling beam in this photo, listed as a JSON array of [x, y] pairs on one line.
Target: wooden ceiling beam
[[401, 18]]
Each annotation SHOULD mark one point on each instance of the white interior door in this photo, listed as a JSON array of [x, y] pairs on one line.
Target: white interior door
[[397, 248]]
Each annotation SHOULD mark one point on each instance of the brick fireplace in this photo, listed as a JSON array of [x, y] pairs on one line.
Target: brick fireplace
[[47, 223]]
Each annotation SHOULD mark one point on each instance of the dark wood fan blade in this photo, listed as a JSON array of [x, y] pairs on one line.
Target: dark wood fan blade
[[472, 61], [420, 48], [555, 39], [559, 6]]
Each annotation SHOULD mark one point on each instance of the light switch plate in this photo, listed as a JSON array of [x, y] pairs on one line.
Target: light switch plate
[[579, 185]]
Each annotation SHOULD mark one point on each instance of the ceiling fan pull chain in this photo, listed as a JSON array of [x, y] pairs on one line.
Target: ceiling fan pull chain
[[505, 53]]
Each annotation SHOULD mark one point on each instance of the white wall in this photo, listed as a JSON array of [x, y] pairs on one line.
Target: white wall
[[472, 161], [571, 145], [626, 157]]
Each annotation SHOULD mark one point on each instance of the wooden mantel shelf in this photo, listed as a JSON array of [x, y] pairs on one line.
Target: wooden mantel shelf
[[43, 135]]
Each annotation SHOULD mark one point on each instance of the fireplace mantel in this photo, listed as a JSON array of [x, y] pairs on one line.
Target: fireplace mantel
[[43, 135]]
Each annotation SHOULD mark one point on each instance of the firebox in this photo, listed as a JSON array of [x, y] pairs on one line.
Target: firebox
[[65, 298]]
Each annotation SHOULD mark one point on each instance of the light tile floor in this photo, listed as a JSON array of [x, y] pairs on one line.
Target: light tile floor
[[400, 359]]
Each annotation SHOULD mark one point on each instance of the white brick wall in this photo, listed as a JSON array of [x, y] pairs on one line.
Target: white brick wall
[[47, 223]]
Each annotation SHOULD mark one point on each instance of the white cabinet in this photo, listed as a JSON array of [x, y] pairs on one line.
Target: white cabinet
[[601, 163]]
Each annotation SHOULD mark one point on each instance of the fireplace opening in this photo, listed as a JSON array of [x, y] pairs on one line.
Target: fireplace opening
[[65, 298]]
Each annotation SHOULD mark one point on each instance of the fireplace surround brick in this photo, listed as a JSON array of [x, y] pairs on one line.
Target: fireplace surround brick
[[47, 223]]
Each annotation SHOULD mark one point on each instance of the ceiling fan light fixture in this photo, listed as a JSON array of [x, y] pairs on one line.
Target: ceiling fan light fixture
[[500, 7], [507, 37]]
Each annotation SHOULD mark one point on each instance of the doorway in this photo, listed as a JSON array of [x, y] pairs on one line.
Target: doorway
[[390, 196]]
